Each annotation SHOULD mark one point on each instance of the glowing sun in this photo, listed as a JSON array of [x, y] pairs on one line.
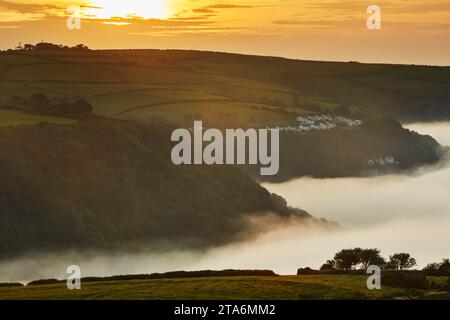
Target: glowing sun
[[145, 9]]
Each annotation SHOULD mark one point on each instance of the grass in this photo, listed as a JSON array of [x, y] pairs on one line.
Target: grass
[[225, 288], [213, 113], [108, 105], [14, 118], [181, 75], [115, 81]]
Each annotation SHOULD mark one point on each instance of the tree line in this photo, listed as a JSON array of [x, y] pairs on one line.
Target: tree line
[[360, 259], [39, 103], [47, 46]]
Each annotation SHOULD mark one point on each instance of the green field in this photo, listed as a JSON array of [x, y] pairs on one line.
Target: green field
[[12, 118], [226, 288], [130, 83]]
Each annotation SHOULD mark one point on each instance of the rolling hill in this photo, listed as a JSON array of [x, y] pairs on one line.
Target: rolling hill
[[109, 184], [105, 181], [174, 88]]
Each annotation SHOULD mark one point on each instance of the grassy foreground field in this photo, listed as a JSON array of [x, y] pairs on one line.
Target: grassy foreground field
[[217, 288]]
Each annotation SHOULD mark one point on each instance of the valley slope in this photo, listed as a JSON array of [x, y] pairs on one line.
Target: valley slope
[[175, 87], [110, 184]]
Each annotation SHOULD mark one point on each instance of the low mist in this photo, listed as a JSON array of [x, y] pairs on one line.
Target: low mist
[[438, 130], [393, 213]]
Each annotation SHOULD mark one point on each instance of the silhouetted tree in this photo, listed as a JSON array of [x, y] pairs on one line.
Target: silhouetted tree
[[17, 102], [45, 46], [401, 261], [81, 47], [77, 107], [329, 265], [348, 258], [438, 268], [38, 102], [371, 257], [28, 47]]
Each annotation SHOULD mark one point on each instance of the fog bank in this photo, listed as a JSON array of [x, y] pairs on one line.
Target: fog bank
[[394, 213], [438, 130]]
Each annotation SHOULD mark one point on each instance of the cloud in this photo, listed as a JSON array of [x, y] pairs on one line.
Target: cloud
[[7, 15], [20, 11], [228, 6], [203, 10], [209, 11]]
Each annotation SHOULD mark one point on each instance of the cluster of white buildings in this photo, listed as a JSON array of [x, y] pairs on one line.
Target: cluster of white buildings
[[386, 161], [320, 122]]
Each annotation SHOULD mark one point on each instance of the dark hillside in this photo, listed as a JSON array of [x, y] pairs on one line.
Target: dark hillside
[[107, 183], [378, 146]]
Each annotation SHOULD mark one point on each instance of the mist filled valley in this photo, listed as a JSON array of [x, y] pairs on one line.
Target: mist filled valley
[[87, 176], [391, 212], [205, 151]]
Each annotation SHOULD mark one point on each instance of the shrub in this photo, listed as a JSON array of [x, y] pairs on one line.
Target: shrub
[[409, 280], [308, 271], [10, 285], [438, 269], [43, 282]]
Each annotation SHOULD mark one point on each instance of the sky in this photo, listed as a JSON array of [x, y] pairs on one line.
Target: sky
[[412, 31]]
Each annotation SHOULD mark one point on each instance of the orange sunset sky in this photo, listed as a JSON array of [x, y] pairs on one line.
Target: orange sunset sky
[[412, 31]]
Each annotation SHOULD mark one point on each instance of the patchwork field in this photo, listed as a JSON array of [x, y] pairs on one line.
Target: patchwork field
[[173, 85]]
